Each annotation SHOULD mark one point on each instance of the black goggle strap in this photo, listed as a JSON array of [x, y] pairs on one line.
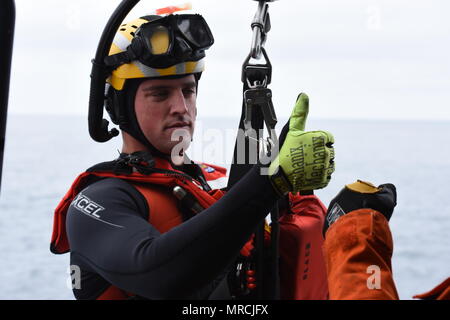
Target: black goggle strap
[[118, 59]]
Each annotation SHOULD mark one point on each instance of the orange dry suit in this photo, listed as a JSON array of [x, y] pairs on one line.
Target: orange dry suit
[[358, 250]]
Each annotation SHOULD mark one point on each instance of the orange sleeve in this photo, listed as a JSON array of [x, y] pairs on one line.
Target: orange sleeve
[[358, 251], [441, 292]]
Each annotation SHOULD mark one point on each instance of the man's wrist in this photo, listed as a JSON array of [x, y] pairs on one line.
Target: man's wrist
[[280, 182]]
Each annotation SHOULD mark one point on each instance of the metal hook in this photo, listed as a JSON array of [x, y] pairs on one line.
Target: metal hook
[[260, 26]]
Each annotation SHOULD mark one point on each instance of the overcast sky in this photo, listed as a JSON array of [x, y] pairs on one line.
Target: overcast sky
[[377, 59]]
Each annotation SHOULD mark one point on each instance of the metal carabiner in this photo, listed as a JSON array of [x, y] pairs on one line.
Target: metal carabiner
[[260, 26]]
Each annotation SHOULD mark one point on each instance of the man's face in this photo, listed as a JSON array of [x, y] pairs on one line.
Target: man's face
[[165, 108]]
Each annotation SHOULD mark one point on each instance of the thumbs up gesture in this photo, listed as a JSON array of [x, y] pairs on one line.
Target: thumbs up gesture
[[306, 159]]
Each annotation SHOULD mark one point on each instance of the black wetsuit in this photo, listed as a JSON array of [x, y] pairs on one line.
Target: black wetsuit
[[121, 248]]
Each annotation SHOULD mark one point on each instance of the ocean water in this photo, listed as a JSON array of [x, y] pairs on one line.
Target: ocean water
[[45, 153]]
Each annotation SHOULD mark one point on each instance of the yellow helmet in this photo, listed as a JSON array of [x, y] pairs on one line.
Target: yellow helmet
[[157, 46]]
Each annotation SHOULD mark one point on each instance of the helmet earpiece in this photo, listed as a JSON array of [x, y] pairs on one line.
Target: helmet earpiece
[[114, 104]]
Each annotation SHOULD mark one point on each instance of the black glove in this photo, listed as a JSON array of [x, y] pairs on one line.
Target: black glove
[[361, 195]]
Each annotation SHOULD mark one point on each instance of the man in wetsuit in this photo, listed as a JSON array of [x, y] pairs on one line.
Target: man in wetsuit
[[124, 228]]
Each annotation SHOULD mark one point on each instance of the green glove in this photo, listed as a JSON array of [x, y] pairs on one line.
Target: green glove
[[306, 159]]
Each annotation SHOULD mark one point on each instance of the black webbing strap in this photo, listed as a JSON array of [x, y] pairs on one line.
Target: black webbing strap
[[265, 260]]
